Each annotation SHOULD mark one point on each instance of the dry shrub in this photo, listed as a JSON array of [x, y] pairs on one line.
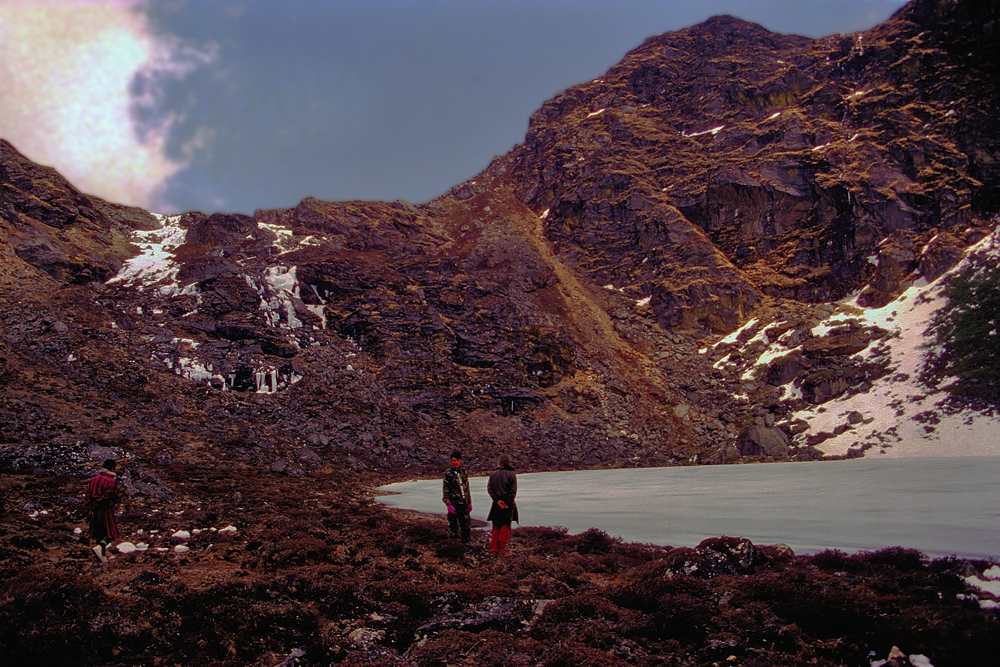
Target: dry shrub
[[894, 558], [234, 622], [822, 605], [574, 608], [451, 550], [333, 590], [645, 585], [570, 571], [366, 660], [426, 533], [594, 541], [633, 554], [754, 624], [396, 548], [542, 539], [299, 549], [673, 607], [54, 618], [683, 617], [590, 619], [562, 654], [770, 658], [835, 560]]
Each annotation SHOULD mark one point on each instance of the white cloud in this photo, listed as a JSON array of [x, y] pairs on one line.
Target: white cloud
[[66, 67]]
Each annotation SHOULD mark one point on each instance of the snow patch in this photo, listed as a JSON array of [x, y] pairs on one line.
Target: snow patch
[[735, 336], [154, 266], [987, 584], [902, 418], [320, 312], [713, 131], [286, 241], [193, 369]]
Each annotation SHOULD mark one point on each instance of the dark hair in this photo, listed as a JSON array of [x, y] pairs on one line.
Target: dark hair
[[456, 454], [109, 464], [505, 459]]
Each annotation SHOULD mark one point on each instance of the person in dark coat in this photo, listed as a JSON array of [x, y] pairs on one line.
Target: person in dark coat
[[458, 499], [100, 501], [502, 488]]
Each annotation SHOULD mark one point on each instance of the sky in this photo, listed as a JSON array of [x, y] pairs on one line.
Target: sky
[[238, 105]]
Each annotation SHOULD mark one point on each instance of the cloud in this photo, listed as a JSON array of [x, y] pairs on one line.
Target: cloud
[[68, 98]]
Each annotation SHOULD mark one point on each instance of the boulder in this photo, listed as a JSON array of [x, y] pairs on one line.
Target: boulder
[[759, 440], [717, 556]]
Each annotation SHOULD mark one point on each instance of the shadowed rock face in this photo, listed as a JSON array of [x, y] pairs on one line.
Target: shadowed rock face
[[553, 306]]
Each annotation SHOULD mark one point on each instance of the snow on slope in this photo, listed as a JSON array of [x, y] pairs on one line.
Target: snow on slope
[[899, 416], [155, 270], [154, 265]]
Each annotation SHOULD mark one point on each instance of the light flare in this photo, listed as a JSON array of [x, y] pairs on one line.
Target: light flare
[[66, 68]]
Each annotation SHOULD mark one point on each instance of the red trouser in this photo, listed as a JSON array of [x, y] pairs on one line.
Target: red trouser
[[499, 537]]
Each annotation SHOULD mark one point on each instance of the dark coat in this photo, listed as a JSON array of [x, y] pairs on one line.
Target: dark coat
[[456, 489], [502, 486]]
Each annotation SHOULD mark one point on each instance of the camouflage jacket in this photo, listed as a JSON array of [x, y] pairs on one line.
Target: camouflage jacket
[[456, 489]]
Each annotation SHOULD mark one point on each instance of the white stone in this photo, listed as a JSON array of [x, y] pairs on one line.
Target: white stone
[[181, 535], [180, 548], [126, 548], [228, 529]]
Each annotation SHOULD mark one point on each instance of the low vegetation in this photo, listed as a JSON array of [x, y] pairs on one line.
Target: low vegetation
[[967, 336], [317, 573]]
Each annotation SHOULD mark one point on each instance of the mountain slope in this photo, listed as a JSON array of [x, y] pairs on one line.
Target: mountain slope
[[570, 305]]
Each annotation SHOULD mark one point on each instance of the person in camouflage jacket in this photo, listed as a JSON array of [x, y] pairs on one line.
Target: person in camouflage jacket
[[458, 499]]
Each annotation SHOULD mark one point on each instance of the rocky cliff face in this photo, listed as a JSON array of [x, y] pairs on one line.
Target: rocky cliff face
[[570, 305]]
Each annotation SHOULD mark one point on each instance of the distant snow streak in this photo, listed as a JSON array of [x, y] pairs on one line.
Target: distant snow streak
[[713, 131]]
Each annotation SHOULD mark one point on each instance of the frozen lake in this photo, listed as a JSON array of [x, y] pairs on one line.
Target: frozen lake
[[941, 506]]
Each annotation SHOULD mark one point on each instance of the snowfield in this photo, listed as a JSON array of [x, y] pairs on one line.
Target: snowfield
[[898, 416]]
